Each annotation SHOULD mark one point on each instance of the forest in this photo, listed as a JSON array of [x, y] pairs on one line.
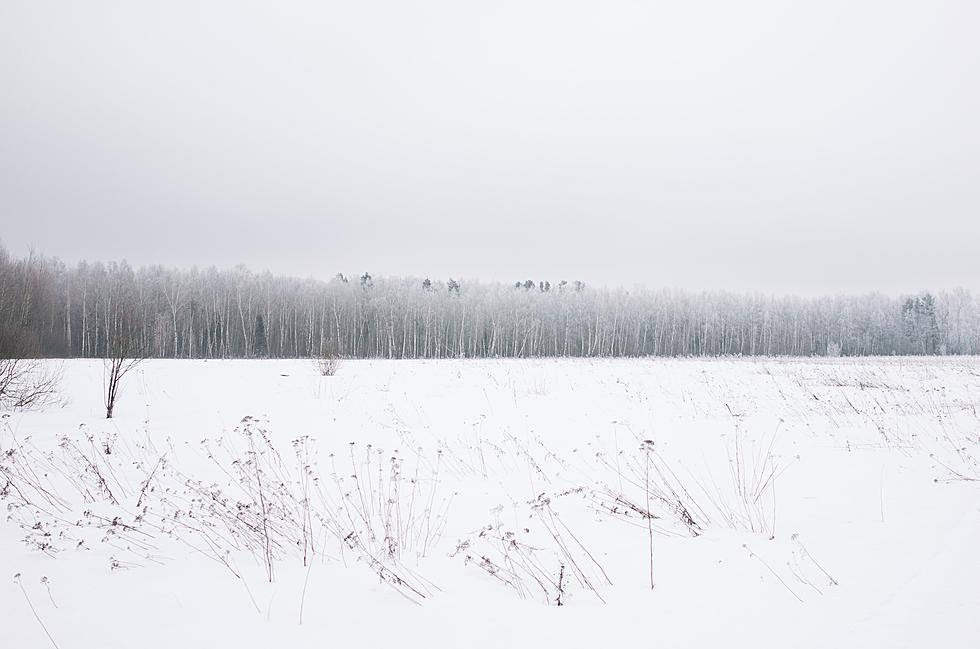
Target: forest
[[95, 309]]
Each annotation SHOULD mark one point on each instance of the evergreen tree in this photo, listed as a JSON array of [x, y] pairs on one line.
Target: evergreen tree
[[261, 347]]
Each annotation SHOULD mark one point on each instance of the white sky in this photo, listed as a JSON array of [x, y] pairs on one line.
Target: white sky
[[773, 146]]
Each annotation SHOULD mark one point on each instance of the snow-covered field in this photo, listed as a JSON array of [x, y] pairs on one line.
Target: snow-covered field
[[814, 503]]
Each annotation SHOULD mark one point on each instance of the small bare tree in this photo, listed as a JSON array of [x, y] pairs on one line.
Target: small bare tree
[[123, 352], [26, 383], [115, 369]]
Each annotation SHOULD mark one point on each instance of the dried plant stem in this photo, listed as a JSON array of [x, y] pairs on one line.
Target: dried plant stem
[[34, 611]]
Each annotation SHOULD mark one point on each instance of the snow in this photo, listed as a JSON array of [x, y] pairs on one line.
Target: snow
[[857, 523]]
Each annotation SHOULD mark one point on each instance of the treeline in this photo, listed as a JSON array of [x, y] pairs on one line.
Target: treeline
[[50, 309]]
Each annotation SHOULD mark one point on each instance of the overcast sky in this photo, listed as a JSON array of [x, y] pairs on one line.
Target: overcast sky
[[762, 146]]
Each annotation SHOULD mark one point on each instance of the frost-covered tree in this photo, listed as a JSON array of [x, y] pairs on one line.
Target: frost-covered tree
[[50, 309]]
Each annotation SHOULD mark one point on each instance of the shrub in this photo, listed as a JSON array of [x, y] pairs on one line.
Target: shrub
[[25, 383]]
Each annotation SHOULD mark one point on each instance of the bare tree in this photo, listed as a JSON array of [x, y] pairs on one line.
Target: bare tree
[[125, 349], [115, 369]]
